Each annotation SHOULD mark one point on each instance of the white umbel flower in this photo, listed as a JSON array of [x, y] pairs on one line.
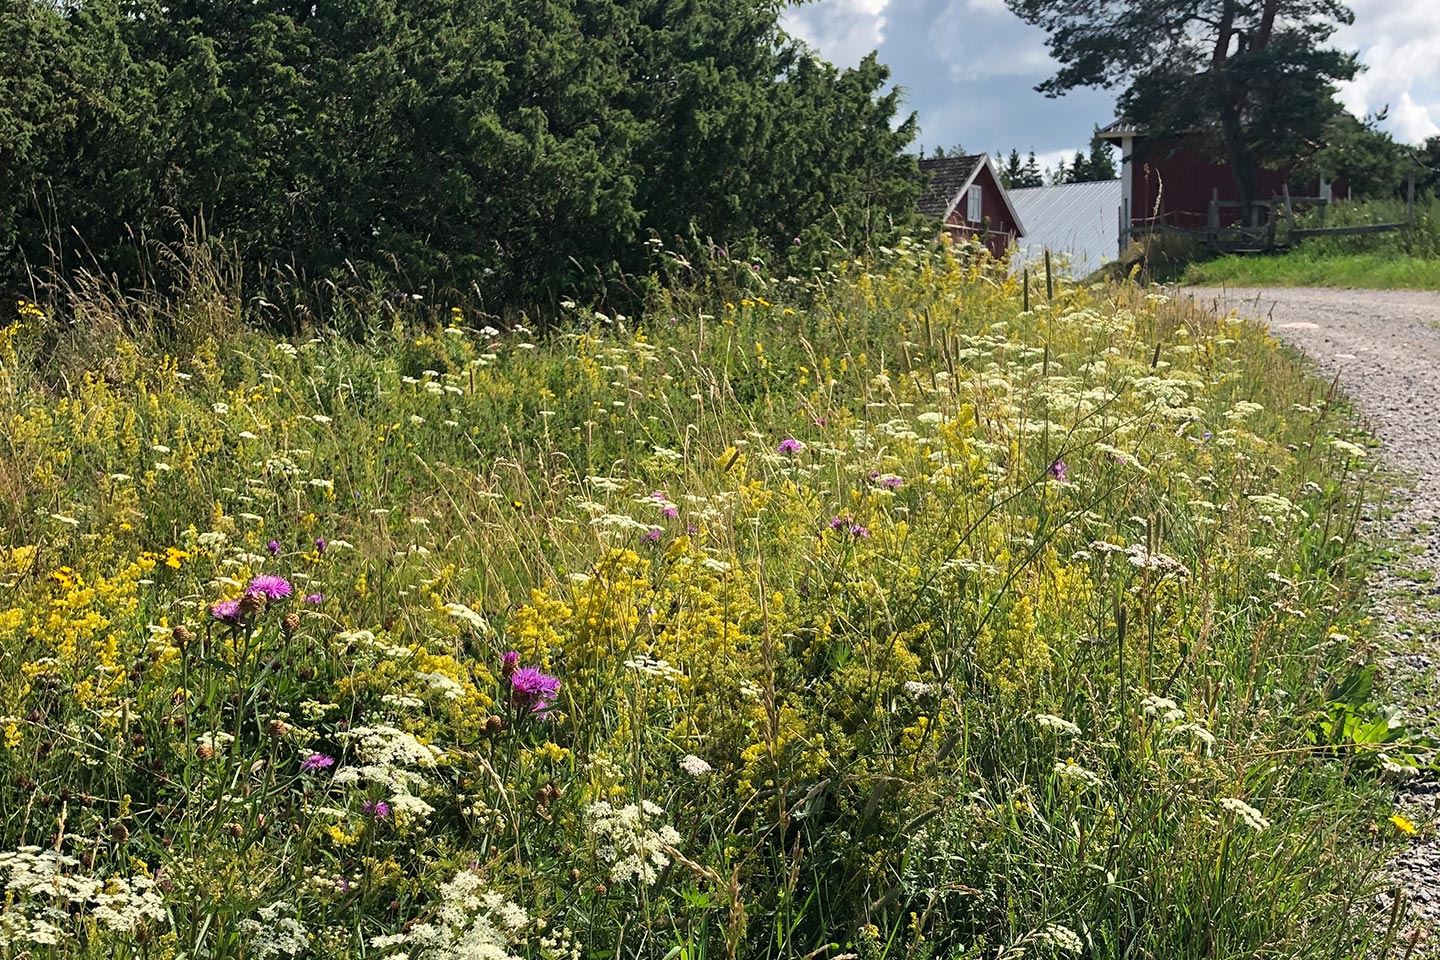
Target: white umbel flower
[[1245, 813], [695, 766], [632, 839]]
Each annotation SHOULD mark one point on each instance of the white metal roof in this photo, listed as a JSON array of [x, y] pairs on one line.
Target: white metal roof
[[1079, 221]]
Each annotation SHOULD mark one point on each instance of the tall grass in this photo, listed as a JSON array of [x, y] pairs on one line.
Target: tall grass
[[888, 620]]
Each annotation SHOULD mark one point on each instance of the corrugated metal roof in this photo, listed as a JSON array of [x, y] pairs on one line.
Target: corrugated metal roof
[[1116, 129], [946, 177], [1078, 220]]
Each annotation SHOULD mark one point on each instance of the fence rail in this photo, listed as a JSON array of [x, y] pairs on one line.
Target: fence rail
[[1260, 236]]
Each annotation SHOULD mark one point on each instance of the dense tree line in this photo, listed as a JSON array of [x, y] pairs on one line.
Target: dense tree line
[[517, 149]]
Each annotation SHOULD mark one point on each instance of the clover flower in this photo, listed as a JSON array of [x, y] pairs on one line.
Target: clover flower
[[269, 586]]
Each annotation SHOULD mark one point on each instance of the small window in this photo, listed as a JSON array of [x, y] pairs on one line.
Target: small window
[[973, 213]]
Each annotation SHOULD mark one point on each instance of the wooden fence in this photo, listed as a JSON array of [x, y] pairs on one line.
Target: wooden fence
[[1261, 234]]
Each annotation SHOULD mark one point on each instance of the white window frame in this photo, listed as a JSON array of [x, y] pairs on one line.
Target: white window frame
[[974, 204]]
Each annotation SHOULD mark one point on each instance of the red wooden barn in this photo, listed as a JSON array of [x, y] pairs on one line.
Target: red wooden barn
[[965, 194], [1173, 182]]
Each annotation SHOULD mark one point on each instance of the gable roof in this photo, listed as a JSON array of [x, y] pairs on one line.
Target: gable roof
[[946, 179], [949, 177]]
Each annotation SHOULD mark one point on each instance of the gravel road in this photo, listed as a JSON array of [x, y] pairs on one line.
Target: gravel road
[[1384, 346]]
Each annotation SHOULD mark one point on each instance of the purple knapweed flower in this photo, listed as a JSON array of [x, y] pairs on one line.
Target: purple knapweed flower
[[533, 688], [226, 611], [652, 535], [790, 446], [320, 544], [316, 761], [378, 809], [840, 521], [274, 547], [509, 660], [1060, 470], [892, 482], [315, 599], [269, 586], [859, 531]]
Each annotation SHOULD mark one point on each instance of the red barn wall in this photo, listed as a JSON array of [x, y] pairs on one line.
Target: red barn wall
[[1181, 183], [994, 213]]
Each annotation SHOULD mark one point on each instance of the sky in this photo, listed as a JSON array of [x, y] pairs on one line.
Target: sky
[[969, 69]]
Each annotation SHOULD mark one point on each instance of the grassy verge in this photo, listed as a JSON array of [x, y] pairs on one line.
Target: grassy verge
[[1408, 260], [1301, 268], [870, 617]]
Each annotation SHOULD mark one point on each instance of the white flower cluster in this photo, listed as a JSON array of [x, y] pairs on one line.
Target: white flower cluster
[[653, 667], [42, 897], [472, 923], [1245, 813], [695, 766], [1058, 724], [1074, 773], [276, 934], [632, 839], [1061, 938], [393, 759]]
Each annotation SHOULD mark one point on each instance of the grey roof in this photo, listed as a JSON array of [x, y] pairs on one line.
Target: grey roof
[[946, 177], [1116, 129], [1080, 221]]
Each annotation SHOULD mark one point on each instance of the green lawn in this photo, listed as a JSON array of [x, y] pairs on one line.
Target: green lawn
[[1381, 270]]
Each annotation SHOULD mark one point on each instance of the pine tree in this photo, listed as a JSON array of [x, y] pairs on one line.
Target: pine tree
[[1102, 160], [1079, 169], [1032, 176], [1013, 172]]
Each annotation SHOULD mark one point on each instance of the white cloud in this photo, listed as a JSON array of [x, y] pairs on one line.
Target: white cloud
[[1399, 44], [844, 31]]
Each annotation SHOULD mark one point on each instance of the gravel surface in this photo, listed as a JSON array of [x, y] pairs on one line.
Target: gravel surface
[[1384, 346]]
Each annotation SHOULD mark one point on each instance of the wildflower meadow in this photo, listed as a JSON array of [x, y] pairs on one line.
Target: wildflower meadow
[[898, 611]]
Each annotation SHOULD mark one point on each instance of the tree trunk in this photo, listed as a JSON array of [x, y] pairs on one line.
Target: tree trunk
[[1242, 163], [1229, 102]]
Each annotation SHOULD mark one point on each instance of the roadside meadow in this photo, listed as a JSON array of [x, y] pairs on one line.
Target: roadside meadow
[[865, 614]]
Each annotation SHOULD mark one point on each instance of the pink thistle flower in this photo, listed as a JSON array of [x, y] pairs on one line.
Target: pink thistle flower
[[274, 547], [790, 446], [533, 688], [316, 761], [270, 587], [1060, 470], [227, 611]]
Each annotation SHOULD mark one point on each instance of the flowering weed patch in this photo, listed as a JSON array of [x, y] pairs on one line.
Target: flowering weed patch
[[871, 617]]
